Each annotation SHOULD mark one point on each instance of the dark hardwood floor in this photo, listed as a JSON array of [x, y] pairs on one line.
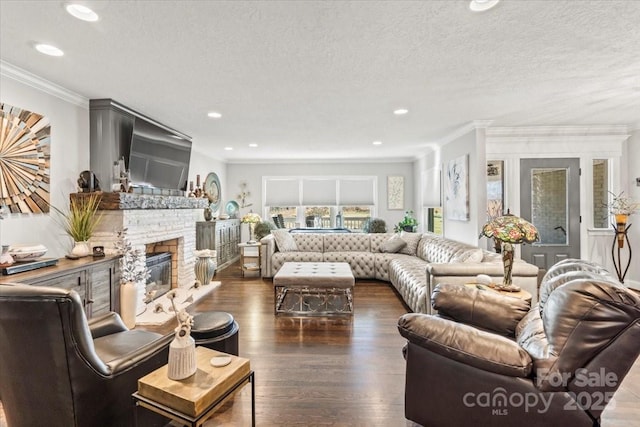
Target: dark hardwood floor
[[333, 372]]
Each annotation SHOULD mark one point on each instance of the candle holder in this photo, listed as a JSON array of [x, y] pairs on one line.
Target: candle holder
[[621, 229]]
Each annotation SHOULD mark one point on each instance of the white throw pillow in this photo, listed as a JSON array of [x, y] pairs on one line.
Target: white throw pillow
[[284, 240], [471, 255], [393, 245], [412, 240]]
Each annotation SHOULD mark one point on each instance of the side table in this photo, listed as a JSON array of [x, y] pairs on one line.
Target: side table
[[193, 400], [250, 257]]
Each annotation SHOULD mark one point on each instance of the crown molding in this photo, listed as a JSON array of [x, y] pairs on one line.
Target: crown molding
[[553, 131], [463, 130], [23, 76], [318, 161]]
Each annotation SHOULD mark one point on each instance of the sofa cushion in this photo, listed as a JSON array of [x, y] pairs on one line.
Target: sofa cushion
[[393, 245], [361, 263], [469, 255], [347, 242], [309, 242], [279, 258], [382, 261], [412, 240], [284, 240]]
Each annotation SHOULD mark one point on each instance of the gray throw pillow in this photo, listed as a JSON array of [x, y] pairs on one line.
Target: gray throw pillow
[[393, 245], [284, 240]]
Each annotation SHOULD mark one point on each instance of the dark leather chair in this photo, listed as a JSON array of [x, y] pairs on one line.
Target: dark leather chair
[[485, 359], [57, 369]]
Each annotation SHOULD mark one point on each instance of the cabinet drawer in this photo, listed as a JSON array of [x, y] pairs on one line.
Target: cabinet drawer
[[75, 281]]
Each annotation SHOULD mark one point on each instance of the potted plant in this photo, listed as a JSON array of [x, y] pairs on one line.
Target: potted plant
[[263, 228], [80, 221], [408, 223], [375, 225]]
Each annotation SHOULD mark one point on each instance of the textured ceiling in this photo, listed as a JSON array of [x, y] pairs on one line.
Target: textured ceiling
[[320, 79]]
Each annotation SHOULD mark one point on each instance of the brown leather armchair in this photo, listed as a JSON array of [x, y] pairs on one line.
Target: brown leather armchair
[[487, 360], [57, 369]]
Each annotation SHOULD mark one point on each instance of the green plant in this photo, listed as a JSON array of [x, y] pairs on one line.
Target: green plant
[[263, 228], [408, 223], [375, 225], [81, 219]]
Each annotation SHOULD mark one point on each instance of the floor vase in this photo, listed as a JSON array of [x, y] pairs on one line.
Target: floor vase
[[205, 269], [128, 303]]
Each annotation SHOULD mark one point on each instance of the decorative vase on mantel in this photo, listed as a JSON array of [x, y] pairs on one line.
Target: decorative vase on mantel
[[81, 249]]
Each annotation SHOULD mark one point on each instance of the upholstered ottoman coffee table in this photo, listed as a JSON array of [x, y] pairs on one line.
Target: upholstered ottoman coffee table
[[314, 289]]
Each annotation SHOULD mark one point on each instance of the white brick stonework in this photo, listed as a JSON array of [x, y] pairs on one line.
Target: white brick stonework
[[145, 226]]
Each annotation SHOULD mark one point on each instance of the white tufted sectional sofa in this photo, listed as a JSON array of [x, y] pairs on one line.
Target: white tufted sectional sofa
[[414, 272]]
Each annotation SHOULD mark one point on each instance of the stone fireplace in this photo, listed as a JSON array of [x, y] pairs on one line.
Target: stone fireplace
[[153, 224]]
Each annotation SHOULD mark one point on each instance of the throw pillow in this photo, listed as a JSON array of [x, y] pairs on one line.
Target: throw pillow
[[412, 240], [284, 240], [393, 245], [471, 255]]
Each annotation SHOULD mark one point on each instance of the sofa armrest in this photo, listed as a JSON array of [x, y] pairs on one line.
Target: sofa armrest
[[107, 324], [482, 308], [267, 250], [472, 269], [142, 354], [466, 344]]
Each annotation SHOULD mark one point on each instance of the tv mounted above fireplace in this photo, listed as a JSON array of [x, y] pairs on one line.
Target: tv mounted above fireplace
[[158, 157]]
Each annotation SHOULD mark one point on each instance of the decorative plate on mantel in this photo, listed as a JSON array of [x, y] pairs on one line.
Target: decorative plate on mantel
[[213, 192], [232, 209]]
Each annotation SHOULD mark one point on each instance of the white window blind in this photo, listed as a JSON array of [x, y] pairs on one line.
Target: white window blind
[[319, 192], [357, 192], [282, 192]]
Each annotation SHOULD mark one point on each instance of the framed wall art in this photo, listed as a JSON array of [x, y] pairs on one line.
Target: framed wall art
[[456, 203], [395, 192], [25, 154]]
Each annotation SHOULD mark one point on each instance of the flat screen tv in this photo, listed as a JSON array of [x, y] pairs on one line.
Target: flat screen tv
[[158, 157]]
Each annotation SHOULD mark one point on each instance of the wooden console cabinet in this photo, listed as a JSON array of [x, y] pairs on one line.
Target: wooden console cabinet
[[221, 235], [96, 280]]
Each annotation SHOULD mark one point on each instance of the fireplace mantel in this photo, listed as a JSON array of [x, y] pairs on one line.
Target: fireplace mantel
[[122, 201]]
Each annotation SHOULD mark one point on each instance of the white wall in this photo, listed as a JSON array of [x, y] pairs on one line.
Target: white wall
[[69, 122], [473, 144], [632, 155], [202, 164], [252, 174]]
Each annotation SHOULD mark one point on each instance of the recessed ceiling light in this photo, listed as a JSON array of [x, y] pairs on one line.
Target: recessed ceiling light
[[228, 148], [81, 12], [400, 111], [482, 5], [253, 145], [377, 142], [214, 115], [48, 49]]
